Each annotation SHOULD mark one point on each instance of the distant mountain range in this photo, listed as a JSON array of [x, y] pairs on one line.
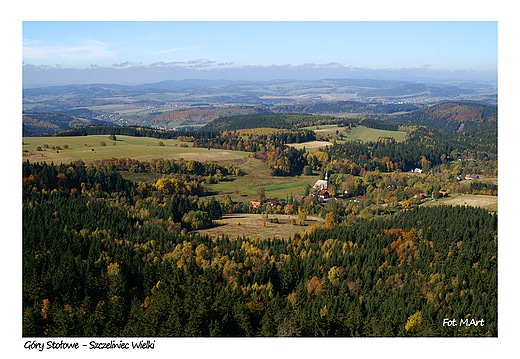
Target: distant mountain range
[[267, 92], [414, 89]]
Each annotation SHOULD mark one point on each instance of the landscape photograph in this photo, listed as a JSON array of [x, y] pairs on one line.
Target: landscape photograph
[[253, 180]]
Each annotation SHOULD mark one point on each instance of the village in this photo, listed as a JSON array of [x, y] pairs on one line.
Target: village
[[321, 193]]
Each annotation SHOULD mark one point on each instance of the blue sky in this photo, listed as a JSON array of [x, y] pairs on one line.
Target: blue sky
[[252, 50]]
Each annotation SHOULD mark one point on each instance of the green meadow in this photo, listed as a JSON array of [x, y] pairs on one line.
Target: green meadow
[[90, 148], [245, 188], [366, 134], [359, 133]]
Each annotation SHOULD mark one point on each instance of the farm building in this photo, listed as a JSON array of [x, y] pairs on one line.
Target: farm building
[[255, 204], [471, 177], [324, 193], [273, 202]]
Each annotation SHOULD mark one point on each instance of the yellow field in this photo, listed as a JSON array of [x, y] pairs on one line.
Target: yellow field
[[250, 225], [310, 145], [488, 202]]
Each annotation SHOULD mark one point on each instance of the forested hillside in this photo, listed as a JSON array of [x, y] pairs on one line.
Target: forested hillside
[[45, 123], [138, 271], [197, 116], [286, 121], [343, 107], [116, 247], [450, 117]]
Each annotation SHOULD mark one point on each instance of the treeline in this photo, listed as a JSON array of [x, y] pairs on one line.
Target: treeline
[[270, 120], [134, 131], [101, 178], [131, 272], [74, 178], [250, 141], [378, 124], [170, 166]]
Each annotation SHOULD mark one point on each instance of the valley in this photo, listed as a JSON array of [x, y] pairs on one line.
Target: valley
[[255, 219]]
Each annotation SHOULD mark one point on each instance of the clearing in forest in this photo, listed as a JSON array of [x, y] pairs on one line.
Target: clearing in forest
[[250, 225]]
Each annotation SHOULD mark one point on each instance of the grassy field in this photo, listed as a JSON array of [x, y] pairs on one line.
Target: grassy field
[[359, 133], [257, 175], [310, 146], [366, 134], [90, 148], [323, 128], [488, 202], [250, 225]]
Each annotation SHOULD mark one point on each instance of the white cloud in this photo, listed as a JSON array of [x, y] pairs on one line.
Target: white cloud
[[173, 50], [126, 64], [89, 51]]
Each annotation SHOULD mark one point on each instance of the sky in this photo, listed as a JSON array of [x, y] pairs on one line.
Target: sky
[[126, 52]]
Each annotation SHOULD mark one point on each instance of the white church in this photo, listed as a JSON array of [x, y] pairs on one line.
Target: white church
[[322, 184]]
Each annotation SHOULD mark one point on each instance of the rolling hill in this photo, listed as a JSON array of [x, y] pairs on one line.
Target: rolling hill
[[450, 117], [44, 123], [414, 89], [269, 120]]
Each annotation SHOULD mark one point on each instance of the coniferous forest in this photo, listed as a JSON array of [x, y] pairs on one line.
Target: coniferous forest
[[104, 256]]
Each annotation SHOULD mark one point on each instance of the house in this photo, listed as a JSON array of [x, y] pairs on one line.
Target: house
[[255, 204], [273, 202], [420, 195], [443, 194], [324, 193], [298, 198], [471, 177]]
